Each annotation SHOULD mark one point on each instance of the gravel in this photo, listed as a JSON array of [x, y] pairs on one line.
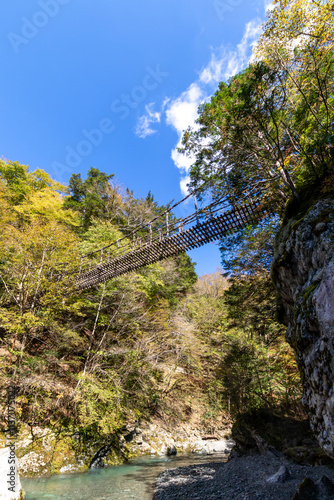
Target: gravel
[[241, 478]]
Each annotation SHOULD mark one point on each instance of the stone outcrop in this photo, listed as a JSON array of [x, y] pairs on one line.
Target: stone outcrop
[[43, 452], [281, 476], [303, 271], [151, 438]]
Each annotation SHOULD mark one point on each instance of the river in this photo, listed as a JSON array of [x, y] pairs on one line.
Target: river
[[134, 480]]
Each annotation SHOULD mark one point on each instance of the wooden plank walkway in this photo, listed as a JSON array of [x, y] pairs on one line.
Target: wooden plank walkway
[[194, 237]]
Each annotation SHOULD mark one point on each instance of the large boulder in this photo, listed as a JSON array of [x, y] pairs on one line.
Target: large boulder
[[303, 271]]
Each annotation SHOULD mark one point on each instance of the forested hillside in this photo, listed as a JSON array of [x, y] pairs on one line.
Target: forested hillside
[[154, 343], [268, 132], [162, 343]]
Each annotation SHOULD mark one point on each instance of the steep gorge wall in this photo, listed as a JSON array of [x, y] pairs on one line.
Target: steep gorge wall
[[303, 271]]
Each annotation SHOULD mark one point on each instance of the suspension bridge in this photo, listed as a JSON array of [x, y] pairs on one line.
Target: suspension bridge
[[164, 236]]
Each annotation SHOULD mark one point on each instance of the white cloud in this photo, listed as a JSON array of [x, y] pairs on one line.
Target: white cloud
[[182, 161], [212, 73], [225, 63], [248, 42], [252, 33], [181, 112], [143, 128], [268, 5], [183, 185]]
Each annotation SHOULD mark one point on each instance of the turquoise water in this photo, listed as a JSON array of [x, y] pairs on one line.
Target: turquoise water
[[134, 480]]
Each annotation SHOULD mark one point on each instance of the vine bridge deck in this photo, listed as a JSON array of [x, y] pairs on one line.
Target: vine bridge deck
[[165, 240]]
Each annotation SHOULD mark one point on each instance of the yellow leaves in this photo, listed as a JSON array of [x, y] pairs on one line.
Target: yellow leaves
[[32, 195], [31, 255], [97, 406], [39, 241], [303, 22], [46, 204], [5, 213], [294, 26], [22, 400], [150, 280], [39, 179], [288, 160], [100, 234]]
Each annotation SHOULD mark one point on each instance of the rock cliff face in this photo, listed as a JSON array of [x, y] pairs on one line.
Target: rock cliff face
[[303, 271]]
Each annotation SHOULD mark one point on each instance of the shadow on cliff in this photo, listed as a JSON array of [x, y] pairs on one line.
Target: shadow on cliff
[[258, 431]]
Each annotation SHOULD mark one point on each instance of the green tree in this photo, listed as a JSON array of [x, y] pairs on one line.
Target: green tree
[[270, 128], [93, 197], [250, 303], [21, 183], [298, 41]]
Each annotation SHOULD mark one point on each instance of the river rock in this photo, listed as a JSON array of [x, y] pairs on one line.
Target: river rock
[[281, 476], [325, 487], [171, 450], [209, 447], [307, 490], [303, 272], [15, 493], [158, 440]]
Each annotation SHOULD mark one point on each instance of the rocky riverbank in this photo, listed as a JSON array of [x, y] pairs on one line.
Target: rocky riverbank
[[158, 439], [42, 452], [268, 476], [275, 457]]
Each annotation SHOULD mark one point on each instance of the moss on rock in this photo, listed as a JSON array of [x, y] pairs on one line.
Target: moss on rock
[[42, 452]]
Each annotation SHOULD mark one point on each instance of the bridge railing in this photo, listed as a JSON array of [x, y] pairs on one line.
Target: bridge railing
[[161, 227]]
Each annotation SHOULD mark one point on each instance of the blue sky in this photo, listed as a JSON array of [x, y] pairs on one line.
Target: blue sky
[[112, 84]]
